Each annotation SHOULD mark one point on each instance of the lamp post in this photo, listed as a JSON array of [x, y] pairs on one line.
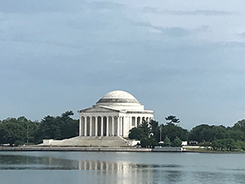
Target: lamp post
[[160, 133], [160, 141]]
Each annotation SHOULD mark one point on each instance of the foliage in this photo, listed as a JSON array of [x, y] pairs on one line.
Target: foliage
[[167, 142], [172, 119], [149, 142], [145, 132], [136, 133], [223, 144], [21, 131], [141, 132], [149, 133], [176, 142], [208, 133], [18, 131], [240, 125], [172, 131], [60, 127]]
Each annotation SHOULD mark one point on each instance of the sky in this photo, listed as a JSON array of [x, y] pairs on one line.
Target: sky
[[184, 58]]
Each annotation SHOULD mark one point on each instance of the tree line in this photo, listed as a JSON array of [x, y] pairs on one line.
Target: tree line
[[19, 131], [23, 131], [215, 137]]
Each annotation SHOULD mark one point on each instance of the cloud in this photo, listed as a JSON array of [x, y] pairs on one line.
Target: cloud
[[154, 10], [105, 5], [174, 31], [65, 6], [201, 12], [242, 34], [148, 9]]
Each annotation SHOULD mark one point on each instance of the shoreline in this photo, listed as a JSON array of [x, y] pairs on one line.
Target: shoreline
[[87, 149], [109, 149]]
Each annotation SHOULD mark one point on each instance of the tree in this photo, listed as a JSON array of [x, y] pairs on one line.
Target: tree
[[172, 119], [240, 145], [223, 144], [14, 130], [176, 142], [208, 133], [136, 133], [60, 127], [155, 130], [240, 125], [146, 133], [167, 142], [171, 131]]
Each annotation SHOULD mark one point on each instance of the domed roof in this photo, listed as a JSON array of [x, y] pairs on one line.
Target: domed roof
[[118, 97]]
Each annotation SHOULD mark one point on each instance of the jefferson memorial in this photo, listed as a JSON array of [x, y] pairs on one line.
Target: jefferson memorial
[[113, 115], [107, 123]]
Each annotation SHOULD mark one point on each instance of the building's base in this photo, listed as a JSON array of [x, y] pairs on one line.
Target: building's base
[[103, 141]]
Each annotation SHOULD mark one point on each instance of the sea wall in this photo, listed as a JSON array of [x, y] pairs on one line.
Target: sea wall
[[92, 149]]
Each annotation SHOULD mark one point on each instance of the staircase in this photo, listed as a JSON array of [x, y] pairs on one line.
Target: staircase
[[103, 141]]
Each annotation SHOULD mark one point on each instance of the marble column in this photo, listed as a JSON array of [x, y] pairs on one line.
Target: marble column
[[102, 124], [90, 125], [80, 126], [118, 123], [96, 126], [112, 126], [85, 125], [107, 126], [123, 126]]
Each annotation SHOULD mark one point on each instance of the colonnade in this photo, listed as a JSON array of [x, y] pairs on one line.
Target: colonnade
[[108, 125]]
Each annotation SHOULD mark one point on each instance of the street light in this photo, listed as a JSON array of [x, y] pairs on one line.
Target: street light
[[160, 141]]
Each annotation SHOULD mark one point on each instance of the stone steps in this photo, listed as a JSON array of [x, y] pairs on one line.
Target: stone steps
[[103, 141]]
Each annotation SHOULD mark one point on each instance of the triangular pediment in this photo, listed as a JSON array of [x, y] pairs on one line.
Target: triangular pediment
[[99, 109]]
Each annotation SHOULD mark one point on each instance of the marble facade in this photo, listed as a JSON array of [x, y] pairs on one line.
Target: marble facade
[[113, 115]]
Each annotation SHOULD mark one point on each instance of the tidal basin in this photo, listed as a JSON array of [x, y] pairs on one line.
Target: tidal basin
[[121, 167]]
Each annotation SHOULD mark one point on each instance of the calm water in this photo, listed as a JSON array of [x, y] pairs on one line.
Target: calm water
[[125, 168]]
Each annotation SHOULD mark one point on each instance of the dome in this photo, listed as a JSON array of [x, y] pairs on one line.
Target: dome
[[118, 97]]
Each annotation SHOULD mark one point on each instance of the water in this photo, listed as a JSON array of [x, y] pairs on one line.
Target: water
[[122, 168]]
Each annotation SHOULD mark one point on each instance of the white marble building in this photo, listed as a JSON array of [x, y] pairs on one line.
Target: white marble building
[[113, 115]]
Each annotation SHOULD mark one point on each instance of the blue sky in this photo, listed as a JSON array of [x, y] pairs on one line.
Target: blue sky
[[181, 58]]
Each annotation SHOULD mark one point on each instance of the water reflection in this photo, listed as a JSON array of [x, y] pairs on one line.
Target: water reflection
[[25, 162], [126, 170], [112, 170]]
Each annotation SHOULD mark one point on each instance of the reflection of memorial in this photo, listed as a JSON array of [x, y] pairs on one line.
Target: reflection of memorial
[[131, 171], [105, 166]]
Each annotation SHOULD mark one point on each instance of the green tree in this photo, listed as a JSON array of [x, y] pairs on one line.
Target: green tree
[[223, 144], [172, 119], [240, 125], [171, 131], [176, 142], [17, 131], [136, 133], [155, 130], [167, 142], [60, 127], [240, 145], [146, 133], [208, 133], [11, 131]]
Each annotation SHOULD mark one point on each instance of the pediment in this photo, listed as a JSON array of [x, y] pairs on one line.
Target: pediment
[[99, 109]]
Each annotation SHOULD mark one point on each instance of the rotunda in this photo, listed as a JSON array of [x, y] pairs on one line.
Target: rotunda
[[113, 115]]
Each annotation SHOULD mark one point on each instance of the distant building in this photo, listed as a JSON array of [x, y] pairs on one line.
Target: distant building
[[113, 115]]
